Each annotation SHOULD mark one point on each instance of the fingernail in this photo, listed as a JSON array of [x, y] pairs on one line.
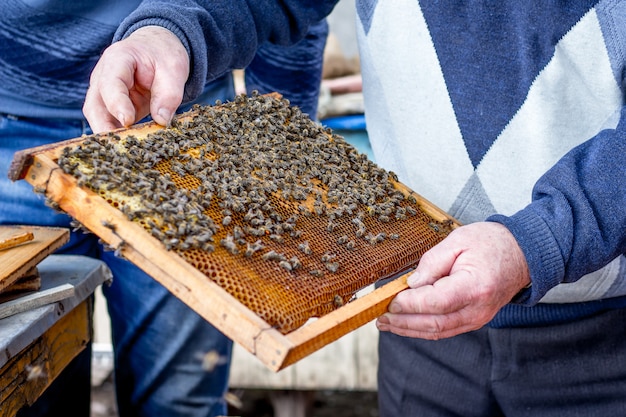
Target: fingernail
[[383, 320], [121, 117], [413, 280], [166, 115], [395, 308]]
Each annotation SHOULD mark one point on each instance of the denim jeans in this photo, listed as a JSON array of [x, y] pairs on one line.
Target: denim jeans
[[158, 341]]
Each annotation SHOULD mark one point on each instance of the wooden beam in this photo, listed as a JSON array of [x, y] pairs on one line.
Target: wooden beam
[[26, 375]]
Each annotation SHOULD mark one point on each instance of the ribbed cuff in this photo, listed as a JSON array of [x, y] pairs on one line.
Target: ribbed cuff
[[542, 252]]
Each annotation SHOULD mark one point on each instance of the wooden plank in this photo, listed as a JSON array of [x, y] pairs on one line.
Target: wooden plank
[[37, 299], [26, 375], [15, 240], [17, 261], [30, 281], [330, 327]]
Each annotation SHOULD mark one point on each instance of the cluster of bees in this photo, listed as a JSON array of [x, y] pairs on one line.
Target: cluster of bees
[[239, 173]]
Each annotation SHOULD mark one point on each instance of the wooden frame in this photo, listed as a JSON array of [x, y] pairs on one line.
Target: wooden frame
[[275, 350]]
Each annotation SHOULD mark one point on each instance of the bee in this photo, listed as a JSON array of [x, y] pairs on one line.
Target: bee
[[256, 222], [208, 247], [371, 239], [274, 256], [108, 225], [35, 372], [337, 301], [327, 257], [285, 265], [229, 244], [39, 189], [319, 209], [358, 222], [277, 238], [316, 273], [118, 250], [304, 211], [305, 248], [295, 262], [238, 233], [226, 220], [76, 226], [332, 266], [212, 359], [53, 205], [253, 247], [171, 243]]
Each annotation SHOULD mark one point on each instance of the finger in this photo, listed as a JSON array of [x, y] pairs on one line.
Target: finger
[[431, 327], [115, 89], [443, 297], [167, 89], [108, 97], [434, 264], [95, 112]]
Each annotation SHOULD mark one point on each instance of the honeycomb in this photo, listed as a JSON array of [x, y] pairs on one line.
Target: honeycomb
[[282, 213]]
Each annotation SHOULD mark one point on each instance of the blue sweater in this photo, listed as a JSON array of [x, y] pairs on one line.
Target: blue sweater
[[510, 111], [48, 49]]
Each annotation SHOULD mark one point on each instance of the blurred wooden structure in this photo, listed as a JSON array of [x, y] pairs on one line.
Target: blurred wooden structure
[[38, 343]]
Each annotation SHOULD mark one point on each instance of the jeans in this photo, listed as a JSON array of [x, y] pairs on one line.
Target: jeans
[[158, 341]]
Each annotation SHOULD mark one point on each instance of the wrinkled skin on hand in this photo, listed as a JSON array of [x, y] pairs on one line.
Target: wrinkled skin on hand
[[140, 75], [460, 284]]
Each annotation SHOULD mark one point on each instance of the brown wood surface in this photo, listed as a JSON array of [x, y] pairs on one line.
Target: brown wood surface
[[26, 375], [30, 281], [224, 311], [19, 260], [15, 240]]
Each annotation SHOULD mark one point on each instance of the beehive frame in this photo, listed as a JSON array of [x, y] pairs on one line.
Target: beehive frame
[[274, 349]]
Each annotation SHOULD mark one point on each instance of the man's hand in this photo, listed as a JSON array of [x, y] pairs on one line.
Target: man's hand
[[460, 284], [140, 75]]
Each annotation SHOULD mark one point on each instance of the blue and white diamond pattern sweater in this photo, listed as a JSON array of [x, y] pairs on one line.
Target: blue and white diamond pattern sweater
[[511, 111]]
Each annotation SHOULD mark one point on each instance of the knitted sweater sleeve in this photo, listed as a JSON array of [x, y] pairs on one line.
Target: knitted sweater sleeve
[[576, 222], [224, 35]]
